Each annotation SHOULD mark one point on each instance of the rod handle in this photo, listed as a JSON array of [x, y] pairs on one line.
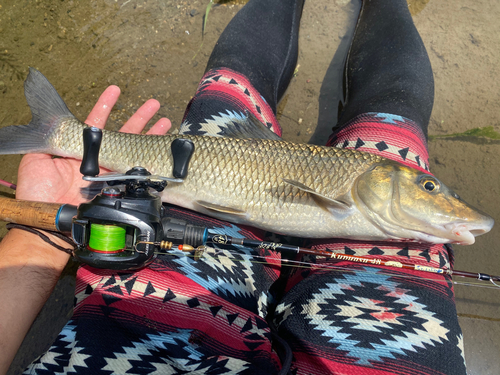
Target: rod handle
[[34, 214]]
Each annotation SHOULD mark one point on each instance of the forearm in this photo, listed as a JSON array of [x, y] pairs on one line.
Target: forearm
[[29, 270]]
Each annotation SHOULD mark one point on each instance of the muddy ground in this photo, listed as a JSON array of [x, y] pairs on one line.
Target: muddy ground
[[155, 49]]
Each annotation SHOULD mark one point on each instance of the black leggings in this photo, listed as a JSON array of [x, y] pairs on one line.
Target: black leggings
[[387, 70]]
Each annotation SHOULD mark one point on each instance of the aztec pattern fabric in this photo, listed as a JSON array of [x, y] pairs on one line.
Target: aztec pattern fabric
[[224, 97], [231, 313], [390, 136]]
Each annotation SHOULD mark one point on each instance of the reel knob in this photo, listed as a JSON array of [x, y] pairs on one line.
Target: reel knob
[[92, 138]]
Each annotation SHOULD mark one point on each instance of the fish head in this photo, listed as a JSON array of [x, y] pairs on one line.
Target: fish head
[[406, 203]]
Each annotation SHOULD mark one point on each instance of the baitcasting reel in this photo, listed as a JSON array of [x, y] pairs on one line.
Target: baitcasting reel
[[122, 229]]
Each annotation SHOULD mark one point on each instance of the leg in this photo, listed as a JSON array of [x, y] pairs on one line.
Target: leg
[[248, 70], [390, 87], [354, 319], [360, 319], [388, 69], [261, 42]]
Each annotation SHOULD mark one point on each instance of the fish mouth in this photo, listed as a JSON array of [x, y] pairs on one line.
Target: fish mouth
[[459, 233], [453, 233], [400, 224], [465, 233]]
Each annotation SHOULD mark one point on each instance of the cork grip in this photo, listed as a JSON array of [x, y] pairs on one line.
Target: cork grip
[[35, 214]]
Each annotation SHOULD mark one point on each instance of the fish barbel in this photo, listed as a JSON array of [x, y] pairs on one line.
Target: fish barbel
[[294, 189]]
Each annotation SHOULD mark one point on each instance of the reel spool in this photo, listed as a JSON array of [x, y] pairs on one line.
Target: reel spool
[[107, 231], [107, 239]]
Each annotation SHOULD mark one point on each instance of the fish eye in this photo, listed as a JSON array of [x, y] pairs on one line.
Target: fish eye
[[429, 185]]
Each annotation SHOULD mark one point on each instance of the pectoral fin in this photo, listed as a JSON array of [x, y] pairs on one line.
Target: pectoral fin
[[221, 209], [336, 207]]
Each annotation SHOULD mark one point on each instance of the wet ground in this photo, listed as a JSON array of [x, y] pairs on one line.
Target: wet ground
[[155, 49]]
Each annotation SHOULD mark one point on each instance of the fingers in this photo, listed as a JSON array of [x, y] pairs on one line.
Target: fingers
[[100, 113], [140, 118], [161, 127]]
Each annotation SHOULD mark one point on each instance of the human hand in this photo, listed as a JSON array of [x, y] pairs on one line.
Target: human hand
[[44, 178]]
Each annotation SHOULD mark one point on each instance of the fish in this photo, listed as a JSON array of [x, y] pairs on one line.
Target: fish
[[301, 190]]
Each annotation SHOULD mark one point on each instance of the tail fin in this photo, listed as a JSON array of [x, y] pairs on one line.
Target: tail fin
[[47, 109]]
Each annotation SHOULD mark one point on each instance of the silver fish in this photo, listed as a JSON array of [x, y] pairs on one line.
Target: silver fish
[[295, 189]]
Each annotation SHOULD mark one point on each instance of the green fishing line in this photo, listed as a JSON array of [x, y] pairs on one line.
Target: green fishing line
[[106, 237]]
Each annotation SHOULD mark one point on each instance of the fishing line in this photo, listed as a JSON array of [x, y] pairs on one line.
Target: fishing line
[[107, 238], [472, 284]]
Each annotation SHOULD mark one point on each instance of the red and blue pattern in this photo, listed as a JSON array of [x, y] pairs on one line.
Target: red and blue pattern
[[223, 96], [390, 136]]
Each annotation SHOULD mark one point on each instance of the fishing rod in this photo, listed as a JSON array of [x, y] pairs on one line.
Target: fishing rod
[[284, 248], [297, 250], [212, 253], [124, 230], [107, 243]]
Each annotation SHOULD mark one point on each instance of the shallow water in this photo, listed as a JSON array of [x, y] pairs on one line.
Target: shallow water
[[155, 49]]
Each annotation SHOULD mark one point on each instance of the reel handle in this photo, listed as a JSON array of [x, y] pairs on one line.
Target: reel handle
[[92, 138]]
